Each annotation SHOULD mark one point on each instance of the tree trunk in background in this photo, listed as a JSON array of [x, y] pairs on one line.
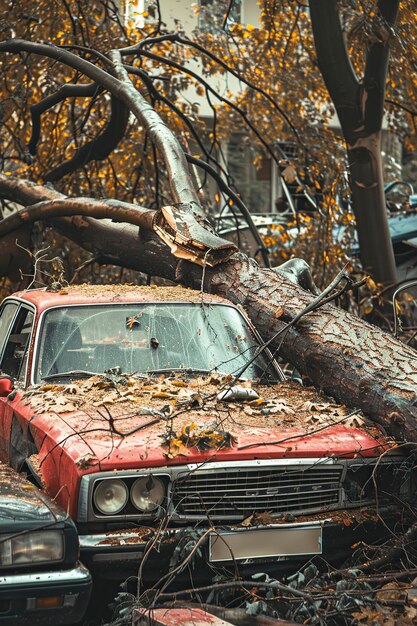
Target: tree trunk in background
[[360, 108]]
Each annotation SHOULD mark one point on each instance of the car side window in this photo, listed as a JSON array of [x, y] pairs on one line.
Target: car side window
[[6, 318], [15, 352]]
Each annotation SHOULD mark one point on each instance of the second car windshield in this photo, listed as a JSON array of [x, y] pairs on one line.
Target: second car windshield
[[141, 338]]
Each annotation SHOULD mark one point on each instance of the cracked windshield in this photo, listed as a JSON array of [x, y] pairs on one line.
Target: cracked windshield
[[148, 338]]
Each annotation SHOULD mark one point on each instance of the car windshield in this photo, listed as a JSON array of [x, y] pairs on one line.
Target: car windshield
[[143, 338]]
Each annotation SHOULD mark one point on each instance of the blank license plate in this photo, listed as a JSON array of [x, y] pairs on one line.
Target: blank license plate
[[270, 542]]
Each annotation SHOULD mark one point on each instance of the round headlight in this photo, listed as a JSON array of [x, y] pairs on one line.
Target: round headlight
[[147, 493], [111, 496]]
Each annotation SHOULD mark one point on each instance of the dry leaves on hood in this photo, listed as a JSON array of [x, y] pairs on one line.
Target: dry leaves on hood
[[191, 436], [186, 400]]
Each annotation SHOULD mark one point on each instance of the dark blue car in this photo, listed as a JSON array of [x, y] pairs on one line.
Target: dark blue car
[[41, 580]]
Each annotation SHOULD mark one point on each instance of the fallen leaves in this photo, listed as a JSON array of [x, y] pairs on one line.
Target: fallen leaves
[[120, 404], [86, 461], [191, 436]]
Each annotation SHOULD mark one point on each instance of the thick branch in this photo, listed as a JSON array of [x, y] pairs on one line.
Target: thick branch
[[377, 67], [183, 222], [119, 244], [99, 209], [334, 62], [101, 146], [66, 91], [167, 144]]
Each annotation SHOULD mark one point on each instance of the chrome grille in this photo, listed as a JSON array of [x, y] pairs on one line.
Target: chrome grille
[[235, 493]]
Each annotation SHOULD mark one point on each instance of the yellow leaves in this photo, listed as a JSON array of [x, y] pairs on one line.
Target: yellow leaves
[[367, 307], [257, 402], [371, 284], [176, 448], [250, 28], [163, 394], [289, 173], [86, 461], [191, 435]]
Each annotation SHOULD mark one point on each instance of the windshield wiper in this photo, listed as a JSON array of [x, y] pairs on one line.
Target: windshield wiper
[[81, 373], [183, 370]]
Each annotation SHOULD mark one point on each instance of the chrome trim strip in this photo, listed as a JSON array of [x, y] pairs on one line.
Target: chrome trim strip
[[100, 541], [78, 574], [192, 467], [96, 541]]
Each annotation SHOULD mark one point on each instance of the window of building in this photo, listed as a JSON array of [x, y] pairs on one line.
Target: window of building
[[254, 182]]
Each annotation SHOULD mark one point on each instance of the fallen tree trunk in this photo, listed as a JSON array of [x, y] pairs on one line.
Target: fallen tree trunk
[[347, 358]]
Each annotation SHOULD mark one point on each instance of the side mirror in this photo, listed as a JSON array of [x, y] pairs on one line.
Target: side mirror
[[6, 386]]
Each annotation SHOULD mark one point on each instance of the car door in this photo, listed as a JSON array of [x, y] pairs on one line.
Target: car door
[[16, 325]]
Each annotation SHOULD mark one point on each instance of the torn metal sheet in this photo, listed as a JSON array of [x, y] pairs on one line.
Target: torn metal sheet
[[190, 236]]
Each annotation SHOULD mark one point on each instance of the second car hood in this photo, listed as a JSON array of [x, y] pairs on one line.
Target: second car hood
[[23, 505]]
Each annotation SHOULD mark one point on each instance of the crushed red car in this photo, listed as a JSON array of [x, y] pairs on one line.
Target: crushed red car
[[122, 402]]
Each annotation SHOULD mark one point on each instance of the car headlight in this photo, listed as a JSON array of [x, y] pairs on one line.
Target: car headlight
[[111, 496], [147, 493], [32, 547]]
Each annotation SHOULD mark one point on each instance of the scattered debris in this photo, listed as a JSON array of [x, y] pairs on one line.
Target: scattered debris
[[130, 400], [238, 393]]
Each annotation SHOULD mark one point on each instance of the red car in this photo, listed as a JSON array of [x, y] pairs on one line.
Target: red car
[[130, 406]]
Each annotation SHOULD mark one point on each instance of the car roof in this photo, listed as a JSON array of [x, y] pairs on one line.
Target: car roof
[[113, 294]]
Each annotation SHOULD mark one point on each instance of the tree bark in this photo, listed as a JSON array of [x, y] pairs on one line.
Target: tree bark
[[356, 363], [360, 108], [119, 244]]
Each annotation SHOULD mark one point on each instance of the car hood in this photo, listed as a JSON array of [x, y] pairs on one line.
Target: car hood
[[97, 424], [152, 442], [23, 505]]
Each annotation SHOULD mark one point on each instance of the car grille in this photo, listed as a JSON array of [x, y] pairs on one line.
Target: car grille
[[234, 494]]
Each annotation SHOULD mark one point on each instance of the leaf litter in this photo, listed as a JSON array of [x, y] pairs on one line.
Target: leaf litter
[[189, 412]]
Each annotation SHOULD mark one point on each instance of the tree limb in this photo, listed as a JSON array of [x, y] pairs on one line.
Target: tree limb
[[98, 148], [99, 209], [66, 91]]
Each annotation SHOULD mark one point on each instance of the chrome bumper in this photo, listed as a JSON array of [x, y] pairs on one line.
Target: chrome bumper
[[79, 574], [24, 597]]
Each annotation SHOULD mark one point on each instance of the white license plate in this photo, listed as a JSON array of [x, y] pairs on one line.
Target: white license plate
[[265, 542]]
